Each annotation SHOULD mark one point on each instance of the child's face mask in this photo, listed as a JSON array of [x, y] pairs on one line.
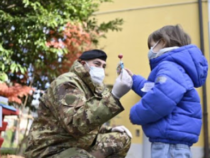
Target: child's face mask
[[151, 53], [97, 74]]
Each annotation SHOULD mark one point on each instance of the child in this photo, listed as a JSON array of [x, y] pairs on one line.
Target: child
[[170, 109]]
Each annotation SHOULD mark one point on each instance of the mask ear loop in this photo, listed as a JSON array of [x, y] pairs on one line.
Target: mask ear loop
[[89, 67], [155, 44]]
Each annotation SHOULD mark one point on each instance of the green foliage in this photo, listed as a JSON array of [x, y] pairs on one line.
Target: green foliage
[[9, 146], [3, 77], [8, 151], [8, 136], [25, 27]]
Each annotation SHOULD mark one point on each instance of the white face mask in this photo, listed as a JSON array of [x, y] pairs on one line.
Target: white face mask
[[97, 74]]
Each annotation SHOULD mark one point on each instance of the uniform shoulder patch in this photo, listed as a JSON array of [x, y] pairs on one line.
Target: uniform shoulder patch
[[70, 98]]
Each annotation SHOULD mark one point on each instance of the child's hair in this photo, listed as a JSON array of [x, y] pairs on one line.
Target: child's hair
[[171, 35]]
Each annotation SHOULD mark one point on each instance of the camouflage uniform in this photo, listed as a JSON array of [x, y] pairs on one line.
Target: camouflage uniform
[[70, 118]]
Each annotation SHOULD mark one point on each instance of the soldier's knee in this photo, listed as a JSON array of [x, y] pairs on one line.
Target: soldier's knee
[[126, 139], [125, 142]]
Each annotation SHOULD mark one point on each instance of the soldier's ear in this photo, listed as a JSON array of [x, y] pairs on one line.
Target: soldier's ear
[[82, 62]]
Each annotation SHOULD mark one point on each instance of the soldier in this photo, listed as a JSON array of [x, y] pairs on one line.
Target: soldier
[[73, 110]]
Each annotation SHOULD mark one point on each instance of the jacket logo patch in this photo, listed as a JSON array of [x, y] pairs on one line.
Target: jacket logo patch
[[148, 86], [161, 79]]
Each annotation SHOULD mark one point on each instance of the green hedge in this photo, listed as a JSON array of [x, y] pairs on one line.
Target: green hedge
[[7, 151]]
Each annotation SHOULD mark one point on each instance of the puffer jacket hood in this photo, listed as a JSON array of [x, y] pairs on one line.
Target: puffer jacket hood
[[190, 58]]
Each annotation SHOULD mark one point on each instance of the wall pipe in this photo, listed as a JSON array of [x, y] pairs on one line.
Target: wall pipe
[[205, 112]]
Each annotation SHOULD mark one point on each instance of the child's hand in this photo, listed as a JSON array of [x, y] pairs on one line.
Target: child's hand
[[129, 72]]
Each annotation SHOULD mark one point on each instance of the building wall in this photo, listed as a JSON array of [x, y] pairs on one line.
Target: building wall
[[140, 19]]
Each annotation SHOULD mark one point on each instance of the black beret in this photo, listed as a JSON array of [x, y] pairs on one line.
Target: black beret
[[93, 54]]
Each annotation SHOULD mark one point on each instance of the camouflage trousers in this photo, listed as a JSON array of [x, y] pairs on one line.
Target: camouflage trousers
[[108, 145]]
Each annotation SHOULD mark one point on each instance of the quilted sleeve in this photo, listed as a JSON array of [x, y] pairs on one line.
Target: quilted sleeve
[[161, 100]]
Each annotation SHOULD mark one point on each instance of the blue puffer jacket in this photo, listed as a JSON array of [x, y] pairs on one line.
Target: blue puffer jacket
[[170, 112]]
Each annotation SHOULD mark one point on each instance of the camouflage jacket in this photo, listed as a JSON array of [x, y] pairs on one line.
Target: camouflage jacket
[[71, 114]]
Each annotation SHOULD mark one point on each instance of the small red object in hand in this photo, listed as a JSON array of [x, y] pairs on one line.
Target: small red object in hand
[[120, 65], [120, 56]]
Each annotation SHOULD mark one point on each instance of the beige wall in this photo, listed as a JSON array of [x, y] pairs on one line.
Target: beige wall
[[140, 19]]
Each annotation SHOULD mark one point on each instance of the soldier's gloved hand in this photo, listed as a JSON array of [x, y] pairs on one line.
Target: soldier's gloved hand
[[122, 129], [122, 84]]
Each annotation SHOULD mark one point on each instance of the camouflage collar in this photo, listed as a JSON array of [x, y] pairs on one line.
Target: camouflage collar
[[83, 74]]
